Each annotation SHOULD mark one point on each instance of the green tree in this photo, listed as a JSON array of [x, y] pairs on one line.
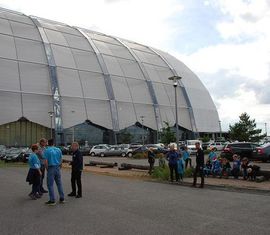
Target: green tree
[[125, 137], [245, 130], [167, 135]]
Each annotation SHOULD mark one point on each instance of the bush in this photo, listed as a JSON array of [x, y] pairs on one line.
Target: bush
[[189, 172], [140, 155], [161, 173]]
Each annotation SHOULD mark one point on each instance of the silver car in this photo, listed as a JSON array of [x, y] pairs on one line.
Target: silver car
[[99, 150]]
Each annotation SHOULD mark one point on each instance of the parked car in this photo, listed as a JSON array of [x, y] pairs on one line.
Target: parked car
[[243, 149], [117, 151], [135, 146], [141, 149], [26, 155], [3, 150], [217, 146], [13, 155], [262, 153], [98, 150], [84, 150], [191, 146]]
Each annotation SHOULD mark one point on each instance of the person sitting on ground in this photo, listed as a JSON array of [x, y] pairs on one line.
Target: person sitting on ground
[[212, 155], [34, 173], [253, 172], [186, 157], [216, 167], [226, 168], [236, 166], [151, 159], [207, 168], [181, 167], [245, 165]]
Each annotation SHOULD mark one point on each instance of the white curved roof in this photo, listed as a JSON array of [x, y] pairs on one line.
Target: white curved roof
[[110, 81]]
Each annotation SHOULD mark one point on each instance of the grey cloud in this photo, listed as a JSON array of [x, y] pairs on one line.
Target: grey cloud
[[221, 84], [250, 17]]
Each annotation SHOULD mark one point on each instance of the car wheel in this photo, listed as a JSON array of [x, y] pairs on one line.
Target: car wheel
[[129, 154], [92, 154], [123, 154], [102, 155]]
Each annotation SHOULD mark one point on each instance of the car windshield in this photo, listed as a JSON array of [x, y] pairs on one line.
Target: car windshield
[[265, 145], [13, 151]]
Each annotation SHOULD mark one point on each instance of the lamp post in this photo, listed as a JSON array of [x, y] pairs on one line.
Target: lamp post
[[142, 118], [73, 129], [265, 125], [51, 117], [220, 130], [175, 82]]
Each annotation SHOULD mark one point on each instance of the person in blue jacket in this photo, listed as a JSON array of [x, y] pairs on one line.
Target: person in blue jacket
[[186, 157], [172, 157], [34, 173], [181, 168]]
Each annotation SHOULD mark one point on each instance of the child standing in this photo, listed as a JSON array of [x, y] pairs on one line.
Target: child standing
[[34, 173], [186, 157], [181, 168], [236, 166]]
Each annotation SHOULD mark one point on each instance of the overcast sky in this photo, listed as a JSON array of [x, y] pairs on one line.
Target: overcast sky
[[225, 42]]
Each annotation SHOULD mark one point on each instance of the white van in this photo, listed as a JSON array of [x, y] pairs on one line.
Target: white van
[[191, 146]]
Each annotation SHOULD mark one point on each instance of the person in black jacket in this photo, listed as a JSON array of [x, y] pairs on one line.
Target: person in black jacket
[[199, 165], [77, 167], [151, 159]]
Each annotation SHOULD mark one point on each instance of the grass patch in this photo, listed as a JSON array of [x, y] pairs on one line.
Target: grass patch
[[161, 173], [12, 164], [164, 173]]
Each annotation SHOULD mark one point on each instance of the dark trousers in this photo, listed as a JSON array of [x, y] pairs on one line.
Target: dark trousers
[[76, 179], [174, 168], [42, 169], [235, 172], [36, 184], [151, 167], [188, 160], [198, 170]]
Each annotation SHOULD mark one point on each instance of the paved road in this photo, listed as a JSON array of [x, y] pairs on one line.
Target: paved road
[[119, 160], [118, 206]]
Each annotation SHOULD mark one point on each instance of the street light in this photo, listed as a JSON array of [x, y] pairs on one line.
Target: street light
[[73, 129], [220, 130], [142, 117], [175, 83], [265, 125], [51, 116]]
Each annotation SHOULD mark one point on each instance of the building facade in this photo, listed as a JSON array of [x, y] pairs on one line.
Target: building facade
[[88, 86]]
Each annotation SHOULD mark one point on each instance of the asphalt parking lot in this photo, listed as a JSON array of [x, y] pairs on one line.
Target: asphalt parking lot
[[124, 206]]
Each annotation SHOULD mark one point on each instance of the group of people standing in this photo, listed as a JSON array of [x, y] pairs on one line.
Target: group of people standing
[[46, 157], [179, 161]]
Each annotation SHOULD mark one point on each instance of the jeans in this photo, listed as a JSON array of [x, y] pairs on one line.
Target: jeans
[[198, 169], [174, 168], [54, 174], [76, 179], [42, 169]]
